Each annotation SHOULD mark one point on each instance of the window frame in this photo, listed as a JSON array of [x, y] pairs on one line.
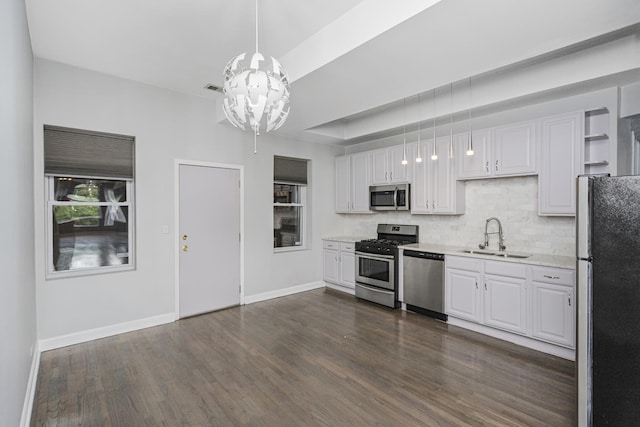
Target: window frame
[[302, 195], [50, 202]]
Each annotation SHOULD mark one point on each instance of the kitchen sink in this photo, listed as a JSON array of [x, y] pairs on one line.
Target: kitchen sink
[[477, 251], [513, 255], [498, 254]]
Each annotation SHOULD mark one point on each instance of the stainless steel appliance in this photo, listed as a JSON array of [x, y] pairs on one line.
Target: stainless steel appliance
[[608, 292], [389, 197], [377, 263], [423, 283]]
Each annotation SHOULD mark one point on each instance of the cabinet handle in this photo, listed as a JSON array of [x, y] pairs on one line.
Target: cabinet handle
[[496, 165], [485, 286], [390, 176], [552, 277], [385, 176], [569, 295], [434, 204], [486, 167], [476, 284]]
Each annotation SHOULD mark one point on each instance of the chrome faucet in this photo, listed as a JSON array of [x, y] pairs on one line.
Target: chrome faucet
[[501, 245]]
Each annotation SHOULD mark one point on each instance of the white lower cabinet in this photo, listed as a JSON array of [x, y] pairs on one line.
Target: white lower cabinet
[[531, 301], [462, 296], [330, 261], [505, 303], [339, 263], [554, 308]]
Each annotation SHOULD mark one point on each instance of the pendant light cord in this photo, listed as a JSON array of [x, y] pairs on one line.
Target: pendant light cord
[[257, 50]]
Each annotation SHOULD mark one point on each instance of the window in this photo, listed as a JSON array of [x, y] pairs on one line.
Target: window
[[289, 202], [89, 191]]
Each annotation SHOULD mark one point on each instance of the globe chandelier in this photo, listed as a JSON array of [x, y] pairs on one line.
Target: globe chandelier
[[256, 92]]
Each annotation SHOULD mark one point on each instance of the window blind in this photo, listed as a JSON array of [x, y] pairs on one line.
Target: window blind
[[288, 170], [87, 153]]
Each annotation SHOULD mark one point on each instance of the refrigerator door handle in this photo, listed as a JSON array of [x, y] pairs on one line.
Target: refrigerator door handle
[[583, 218]]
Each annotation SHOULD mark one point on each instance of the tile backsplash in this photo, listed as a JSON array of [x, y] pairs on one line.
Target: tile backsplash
[[514, 201]]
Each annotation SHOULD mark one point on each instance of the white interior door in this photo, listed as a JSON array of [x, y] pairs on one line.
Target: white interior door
[[209, 239]]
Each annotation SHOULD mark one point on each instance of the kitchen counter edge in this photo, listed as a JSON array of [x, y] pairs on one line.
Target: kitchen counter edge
[[559, 261], [345, 239]]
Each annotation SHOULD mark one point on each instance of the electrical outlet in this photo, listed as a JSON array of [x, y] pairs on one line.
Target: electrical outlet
[[165, 229]]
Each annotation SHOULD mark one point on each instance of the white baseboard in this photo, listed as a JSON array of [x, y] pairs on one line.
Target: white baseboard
[[344, 289], [30, 393], [282, 292], [107, 331], [545, 347]]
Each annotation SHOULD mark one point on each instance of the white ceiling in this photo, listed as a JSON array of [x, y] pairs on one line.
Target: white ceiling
[[344, 57]]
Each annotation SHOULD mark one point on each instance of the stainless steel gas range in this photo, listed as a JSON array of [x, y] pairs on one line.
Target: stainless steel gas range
[[377, 263]]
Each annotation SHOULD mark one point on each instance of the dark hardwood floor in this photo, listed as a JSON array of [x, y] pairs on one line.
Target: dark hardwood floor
[[319, 358]]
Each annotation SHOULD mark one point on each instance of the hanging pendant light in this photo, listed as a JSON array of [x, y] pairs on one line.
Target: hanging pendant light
[[434, 153], [451, 154], [404, 133], [470, 139], [256, 94], [418, 156]]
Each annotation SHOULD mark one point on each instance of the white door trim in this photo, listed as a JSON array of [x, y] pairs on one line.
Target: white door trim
[[176, 226]]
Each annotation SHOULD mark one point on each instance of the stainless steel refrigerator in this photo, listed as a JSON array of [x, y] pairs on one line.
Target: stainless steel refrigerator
[[608, 291]]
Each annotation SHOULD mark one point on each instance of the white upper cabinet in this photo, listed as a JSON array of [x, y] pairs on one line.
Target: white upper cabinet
[[360, 165], [352, 183], [387, 167], [435, 189], [559, 163], [515, 149], [343, 184], [477, 164], [508, 150]]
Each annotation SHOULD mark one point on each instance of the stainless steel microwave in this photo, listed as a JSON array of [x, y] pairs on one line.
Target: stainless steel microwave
[[389, 197]]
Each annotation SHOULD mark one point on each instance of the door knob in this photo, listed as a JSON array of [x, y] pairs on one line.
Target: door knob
[[184, 237], [185, 248]]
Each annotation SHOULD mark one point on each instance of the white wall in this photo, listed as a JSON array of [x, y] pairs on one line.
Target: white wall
[[167, 126], [17, 286]]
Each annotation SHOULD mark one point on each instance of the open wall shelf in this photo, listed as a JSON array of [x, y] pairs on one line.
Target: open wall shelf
[[596, 149]]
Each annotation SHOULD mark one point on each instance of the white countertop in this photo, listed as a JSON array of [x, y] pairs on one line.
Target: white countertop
[[535, 259], [346, 239]]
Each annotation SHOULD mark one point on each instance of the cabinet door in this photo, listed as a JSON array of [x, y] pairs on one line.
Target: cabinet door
[[478, 164], [397, 171], [379, 173], [443, 178], [553, 313], [330, 265], [505, 303], [348, 269], [421, 201], [560, 139], [360, 182], [515, 150], [462, 293], [343, 184]]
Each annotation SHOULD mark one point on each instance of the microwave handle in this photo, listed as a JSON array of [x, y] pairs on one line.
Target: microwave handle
[[395, 198]]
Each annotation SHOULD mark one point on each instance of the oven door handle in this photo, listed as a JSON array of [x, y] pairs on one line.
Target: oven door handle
[[374, 256]]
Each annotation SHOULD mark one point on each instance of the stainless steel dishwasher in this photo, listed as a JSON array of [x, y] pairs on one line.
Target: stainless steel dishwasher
[[423, 274]]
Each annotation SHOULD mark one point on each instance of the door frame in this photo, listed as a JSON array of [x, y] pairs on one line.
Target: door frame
[[176, 239]]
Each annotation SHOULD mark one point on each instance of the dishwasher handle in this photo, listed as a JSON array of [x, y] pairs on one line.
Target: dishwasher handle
[[424, 255]]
